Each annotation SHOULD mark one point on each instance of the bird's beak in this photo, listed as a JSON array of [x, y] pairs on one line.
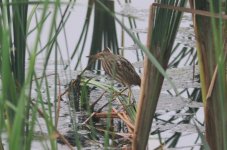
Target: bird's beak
[[92, 56]]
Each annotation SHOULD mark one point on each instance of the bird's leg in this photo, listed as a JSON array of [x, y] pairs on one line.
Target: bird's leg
[[131, 97], [129, 94], [119, 93], [123, 90]]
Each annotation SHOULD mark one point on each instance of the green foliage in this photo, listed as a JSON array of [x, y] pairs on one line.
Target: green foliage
[[18, 113]]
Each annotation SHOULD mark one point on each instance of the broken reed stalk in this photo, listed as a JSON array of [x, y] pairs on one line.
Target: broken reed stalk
[[143, 113]]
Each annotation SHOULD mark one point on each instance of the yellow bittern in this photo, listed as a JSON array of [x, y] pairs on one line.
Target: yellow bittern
[[118, 68]]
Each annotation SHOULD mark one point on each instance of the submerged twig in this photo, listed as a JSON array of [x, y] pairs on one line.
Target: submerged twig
[[98, 99]]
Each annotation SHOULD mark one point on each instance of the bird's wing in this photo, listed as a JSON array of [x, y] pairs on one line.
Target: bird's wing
[[124, 64]]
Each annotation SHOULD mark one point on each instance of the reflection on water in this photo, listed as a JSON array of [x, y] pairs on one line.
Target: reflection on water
[[175, 116]]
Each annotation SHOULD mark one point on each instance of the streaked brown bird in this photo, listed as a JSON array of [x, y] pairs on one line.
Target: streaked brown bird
[[118, 68]]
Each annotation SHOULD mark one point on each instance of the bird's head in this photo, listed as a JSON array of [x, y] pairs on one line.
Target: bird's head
[[101, 55]]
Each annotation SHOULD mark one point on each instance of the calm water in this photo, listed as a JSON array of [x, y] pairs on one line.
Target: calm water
[[174, 116]]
